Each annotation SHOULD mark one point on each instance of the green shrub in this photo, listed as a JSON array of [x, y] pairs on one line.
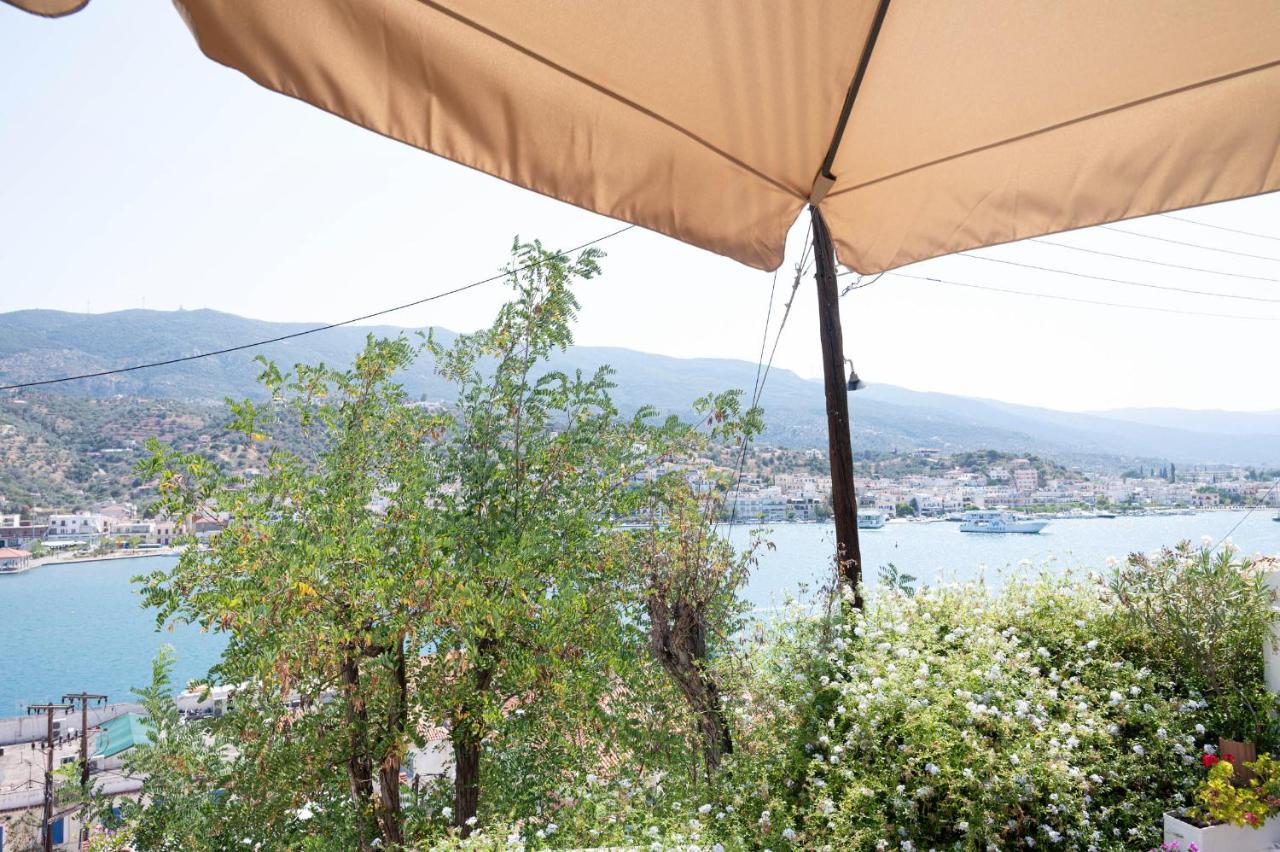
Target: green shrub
[[960, 719], [1200, 618], [1053, 712]]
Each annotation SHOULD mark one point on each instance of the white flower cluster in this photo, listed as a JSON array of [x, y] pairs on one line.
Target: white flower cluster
[[959, 719]]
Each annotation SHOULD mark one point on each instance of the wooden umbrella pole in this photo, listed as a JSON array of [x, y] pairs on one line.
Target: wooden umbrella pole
[[844, 501]]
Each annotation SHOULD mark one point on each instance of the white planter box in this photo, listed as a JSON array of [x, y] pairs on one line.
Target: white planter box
[[1221, 838]]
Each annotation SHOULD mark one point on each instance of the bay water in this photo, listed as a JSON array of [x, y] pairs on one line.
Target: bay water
[[79, 626]]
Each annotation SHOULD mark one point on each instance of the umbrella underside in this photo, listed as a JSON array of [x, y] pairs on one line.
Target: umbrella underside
[[977, 121]]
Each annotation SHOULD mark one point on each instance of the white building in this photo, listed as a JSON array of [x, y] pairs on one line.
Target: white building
[[85, 526], [767, 505], [213, 701], [144, 530]]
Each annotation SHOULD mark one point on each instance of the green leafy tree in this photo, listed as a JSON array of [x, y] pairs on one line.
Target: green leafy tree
[[321, 608], [893, 577], [690, 574], [1202, 616], [525, 624], [458, 572]]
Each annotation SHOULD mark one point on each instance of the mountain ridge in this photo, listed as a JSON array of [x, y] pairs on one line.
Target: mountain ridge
[[38, 344]]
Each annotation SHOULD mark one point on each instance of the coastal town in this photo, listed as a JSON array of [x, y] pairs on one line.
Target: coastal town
[[776, 485], [101, 531], [782, 485]]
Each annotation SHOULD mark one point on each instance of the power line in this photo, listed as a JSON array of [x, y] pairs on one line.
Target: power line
[[762, 377], [256, 343], [1220, 227], [764, 336], [1257, 503], [1154, 262], [859, 284], [778, 337], [1126, 281], [1188, 244], [1056, 297]]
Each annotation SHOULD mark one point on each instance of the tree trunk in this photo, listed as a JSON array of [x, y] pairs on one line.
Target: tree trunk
[[466, 776], [359, 766], [844, 500], [467, 734], [390, 817], [678, 638]]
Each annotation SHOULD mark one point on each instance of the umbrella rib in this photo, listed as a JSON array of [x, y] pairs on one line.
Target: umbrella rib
[[607, 92], [854, 87], [1069, 122]]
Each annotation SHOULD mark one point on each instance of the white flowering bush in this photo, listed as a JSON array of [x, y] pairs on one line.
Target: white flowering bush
[[958, 719], [651, 811]]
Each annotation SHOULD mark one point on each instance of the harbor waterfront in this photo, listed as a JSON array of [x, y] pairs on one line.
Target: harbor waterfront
[[80, 625], [935, 551], [72, 626]]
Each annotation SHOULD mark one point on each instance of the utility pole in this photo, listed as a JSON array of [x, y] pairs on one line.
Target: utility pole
[[844, 502], [48, 710], [84, 698]]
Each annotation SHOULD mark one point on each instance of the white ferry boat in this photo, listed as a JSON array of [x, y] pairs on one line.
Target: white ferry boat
[[1000, 521], [869, 519]]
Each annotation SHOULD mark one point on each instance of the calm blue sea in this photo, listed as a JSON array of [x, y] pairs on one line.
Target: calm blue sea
[[75, 627]]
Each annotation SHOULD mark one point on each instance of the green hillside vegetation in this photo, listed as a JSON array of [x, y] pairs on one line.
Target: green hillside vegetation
[[37, 344], [60, 452], [908, 464]]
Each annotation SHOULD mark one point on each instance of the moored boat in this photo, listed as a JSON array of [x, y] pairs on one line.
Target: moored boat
[[1000, 521], [870, 520]]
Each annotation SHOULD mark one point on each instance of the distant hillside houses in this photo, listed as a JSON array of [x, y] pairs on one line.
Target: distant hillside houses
[[106, 525]]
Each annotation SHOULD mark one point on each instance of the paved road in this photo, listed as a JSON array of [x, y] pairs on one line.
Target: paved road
[[25, 729]]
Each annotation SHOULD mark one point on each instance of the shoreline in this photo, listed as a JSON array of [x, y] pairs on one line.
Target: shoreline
[[117, 554], [56, 559]]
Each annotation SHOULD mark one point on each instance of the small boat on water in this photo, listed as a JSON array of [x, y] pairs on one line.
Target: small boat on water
[[1000, 521], [1105, 515], [870, 520]]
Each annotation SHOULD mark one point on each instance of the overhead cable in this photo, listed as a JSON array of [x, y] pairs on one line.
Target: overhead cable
[[1221, 227], [1056, 297], [1188, 244], [303, 333], [1154, 262], [1124, 281]]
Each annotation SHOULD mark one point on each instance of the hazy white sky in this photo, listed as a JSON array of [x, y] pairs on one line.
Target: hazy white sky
[[136, 173]]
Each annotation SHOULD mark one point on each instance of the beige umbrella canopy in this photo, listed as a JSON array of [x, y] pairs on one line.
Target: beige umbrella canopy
[[917, 128], [977, 121], [49, 8]]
